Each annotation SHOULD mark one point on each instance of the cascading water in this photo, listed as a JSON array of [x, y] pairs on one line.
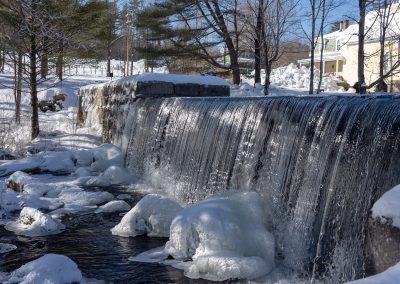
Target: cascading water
[[319, 163]]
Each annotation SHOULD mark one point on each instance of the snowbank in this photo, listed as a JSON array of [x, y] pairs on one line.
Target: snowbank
[[389, 276], [49, 269], [32, 223], [387, 208], [291, 76], [224, 236], [113, 206], [152, 215], [97, 160]]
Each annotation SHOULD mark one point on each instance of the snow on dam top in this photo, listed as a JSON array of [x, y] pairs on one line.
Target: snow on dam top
[[164, 85]]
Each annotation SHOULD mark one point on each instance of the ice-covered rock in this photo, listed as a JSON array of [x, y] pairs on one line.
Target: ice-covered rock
[[48, 269], [105, 156], [112, 175], [76, 196], [32, 222], [113, 206], [12, 201], [152, 215], [224, 237], [124, 196], [4, 248], [37, 188], [82, 172], [83, 157], [17, 180], [389, 276], [387, 208]]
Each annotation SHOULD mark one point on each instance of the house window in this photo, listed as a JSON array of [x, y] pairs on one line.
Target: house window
[[338, 45], [386, 59]]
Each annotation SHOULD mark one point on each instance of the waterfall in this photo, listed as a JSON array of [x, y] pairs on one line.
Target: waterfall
[[318, 163]]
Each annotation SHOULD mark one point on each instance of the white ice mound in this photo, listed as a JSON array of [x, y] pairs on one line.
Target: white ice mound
[[152, 215], [4, 248], [18, 180], [112, 175], [224, 236], [33, 223], [105, 156], [389, 276], [113, 206], [387, 208], [48, 269]]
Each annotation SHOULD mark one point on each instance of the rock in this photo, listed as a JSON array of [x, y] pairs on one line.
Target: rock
[[383, 246]]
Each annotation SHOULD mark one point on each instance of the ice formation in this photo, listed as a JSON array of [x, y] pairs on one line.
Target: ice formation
[[224, 237], [4, 248], [48, 269], [32, 222], [112, 175], [387, 208], [113, 206], [152, 215]]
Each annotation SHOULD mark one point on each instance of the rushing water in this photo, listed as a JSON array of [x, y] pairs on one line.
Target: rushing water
[[99, 255], [319, 163]]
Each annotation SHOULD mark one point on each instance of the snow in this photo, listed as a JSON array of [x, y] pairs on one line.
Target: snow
[[97, 159], [113, 206], [387, 208], [389, 276], [17, 180], [79, 197], [152, 215], [112, 175], [172, 78], [224, 236], [33, 223], [48, 269], [4, 248]]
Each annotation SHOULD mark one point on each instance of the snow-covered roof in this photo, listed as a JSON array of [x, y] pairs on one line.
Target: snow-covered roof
[[372, 25]]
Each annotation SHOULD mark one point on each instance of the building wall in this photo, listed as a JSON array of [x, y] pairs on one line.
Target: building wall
[[350, 70]]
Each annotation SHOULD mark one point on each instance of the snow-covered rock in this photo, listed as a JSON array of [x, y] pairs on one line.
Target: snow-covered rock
[[124, 196], [4, 248], [387, 208], [17, 180], [152, 215], [37, 188], [48, 269], [113, 206], [224, 237], [105, 156], [389, 276], [12, 201], [84, 198], [112, 175], [32, 222]]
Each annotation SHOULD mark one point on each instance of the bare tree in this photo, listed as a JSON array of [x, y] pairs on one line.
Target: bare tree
[[278, 16]]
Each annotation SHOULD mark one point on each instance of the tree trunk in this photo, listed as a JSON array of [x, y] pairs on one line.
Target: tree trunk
[[361, 37], [235, 72], [60, 61], [33, 87], [313, 20], [44, 61], [257, 44], [382, 87], [2, 61], [321, 63], [18, 89], [267, 81], [108, 60]]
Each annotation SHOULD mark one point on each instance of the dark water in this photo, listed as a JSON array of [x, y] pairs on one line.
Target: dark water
[[318, 163], [98, 254]]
